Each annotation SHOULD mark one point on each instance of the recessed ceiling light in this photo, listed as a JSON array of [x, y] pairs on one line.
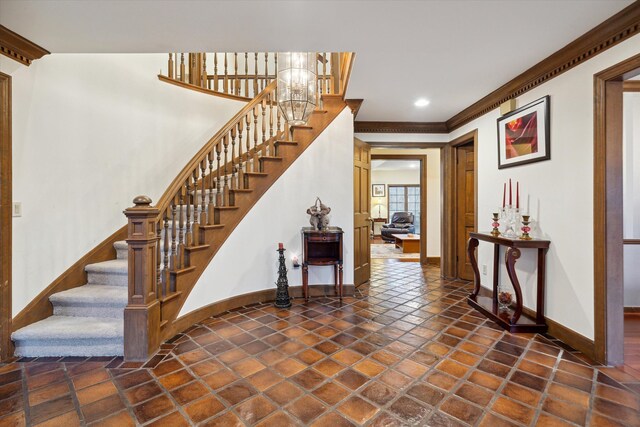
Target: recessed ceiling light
[[421, 102]]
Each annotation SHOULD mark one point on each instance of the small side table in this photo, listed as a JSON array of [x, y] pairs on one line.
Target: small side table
[[512, 319], [322, 247]]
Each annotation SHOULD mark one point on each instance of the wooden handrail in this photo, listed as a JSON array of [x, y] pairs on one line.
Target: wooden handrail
[[171, 191]]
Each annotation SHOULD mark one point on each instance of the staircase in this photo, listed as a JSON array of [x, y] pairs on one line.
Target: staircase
[[130, 304], [87, 320]]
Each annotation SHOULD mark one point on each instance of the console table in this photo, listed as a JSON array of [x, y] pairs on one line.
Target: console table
[[322, 247], [511, 319]]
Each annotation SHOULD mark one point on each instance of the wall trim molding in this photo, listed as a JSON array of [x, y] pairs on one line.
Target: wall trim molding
[[265, 295], [400, 127], [616, 29], [18, 48], [6, 346], [354, 105], [399, 144], [631, 86], [632, 309]]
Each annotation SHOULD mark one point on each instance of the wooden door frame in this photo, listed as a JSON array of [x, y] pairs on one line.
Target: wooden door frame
[[608, 246], [448, 189], [5, 216], [422, 158]]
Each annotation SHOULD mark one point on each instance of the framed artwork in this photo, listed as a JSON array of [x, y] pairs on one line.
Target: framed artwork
[[377, 190], [523, 135]]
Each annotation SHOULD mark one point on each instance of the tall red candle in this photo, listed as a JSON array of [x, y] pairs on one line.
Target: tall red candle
[[510, 193], [518, 195], [280, 246], [504, 194]]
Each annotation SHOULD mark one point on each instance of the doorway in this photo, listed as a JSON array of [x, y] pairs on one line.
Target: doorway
[[399, 196], [608, 210], [362, 214], [459, 205], [6, 347]]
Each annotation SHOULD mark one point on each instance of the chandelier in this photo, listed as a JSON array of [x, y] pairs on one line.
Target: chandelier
[[297, 82]]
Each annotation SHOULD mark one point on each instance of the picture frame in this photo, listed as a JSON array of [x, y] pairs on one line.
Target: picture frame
[[378, 190], [523, 135]]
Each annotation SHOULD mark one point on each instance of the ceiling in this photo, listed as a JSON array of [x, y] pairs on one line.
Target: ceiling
[[394, 165], [451, 52]]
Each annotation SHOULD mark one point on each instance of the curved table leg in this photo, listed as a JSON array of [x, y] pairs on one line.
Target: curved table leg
[[472, 244], [511, 256]]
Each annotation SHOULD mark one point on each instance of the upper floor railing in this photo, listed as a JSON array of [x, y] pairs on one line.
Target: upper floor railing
[[244, 75]]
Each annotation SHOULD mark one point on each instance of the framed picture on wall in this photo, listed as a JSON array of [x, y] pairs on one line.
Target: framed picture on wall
[[523, 135], [377, 190]]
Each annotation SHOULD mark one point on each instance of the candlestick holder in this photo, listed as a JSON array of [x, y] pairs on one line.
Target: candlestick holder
[[525, 227], [495, 224], [283, 300]]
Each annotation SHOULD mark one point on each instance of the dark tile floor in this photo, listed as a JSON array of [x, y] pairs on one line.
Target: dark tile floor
[[408, 351]]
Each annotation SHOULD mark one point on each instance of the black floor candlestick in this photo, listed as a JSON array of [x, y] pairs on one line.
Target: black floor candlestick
[[282, 294]]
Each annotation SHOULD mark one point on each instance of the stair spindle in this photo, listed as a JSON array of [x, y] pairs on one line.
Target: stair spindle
[[241, 161], [170, 66], [159, 288], [165, 261], [236, 81], [182, 78], [248, 123], [210, 207], [255, 74], [174, 232], [266, 69], [195, 229], [215, 71], [318, 90], [246, 74], [218, 186], [263, 146], [270, 103], [188, 235], [255, 138], [225, 89], [203, 197], [181, 229], [205, 78], [233, 164], [225, 190]]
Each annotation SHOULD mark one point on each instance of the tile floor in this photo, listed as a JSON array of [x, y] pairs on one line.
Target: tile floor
[[408, 351]]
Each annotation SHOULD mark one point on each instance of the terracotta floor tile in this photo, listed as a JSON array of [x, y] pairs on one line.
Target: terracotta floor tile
[[358, 409], [347, 357], [204, 408], [69, 419], [309, 379], [310, 356], [461, 410], [237, 392], [379, 393], [102, 408], [306, 408], [289, 367], [254, 409], [228, 419], [189, 392], [332, 420], [283, 393], [369, 368], [96, 392], [120, 419], [331, 393], [441, 380], [408, 410], [513, 410], [279, 419], [328, 367], [491, 420], [47, 393], [90, 378], [473, 393], [50, 409], [452, 368], [351, 379], [264, 379], [521, 394], [174, 419], [153, 408]]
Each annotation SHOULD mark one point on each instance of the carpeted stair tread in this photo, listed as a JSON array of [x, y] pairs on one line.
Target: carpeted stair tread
[[71, 328], [113, 272], [122, 249], [92, 295]]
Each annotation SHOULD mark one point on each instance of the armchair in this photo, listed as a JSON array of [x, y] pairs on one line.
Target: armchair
[[401, 223]]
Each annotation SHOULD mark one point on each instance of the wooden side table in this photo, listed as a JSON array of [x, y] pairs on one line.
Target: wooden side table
[[511, 319], [322, 247]]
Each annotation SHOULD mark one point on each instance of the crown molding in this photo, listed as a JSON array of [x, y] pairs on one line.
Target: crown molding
[[18, 48], [400, 127], [618, 28]]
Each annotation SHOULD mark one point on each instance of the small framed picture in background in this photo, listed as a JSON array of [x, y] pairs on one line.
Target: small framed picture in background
[[523, 135], [377, 190]]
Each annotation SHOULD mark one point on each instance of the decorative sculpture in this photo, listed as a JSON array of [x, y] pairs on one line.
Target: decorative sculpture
[[282, 293], [319, 211]]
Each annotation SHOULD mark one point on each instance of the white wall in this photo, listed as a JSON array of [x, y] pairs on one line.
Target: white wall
[[631, 173], [560, 191], [247, 261], [90, 132]]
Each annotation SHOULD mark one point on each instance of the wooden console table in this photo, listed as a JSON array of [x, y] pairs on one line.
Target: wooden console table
[[322, 247], [511, 319]]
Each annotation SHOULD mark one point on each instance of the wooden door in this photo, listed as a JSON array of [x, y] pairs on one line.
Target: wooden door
[[465, 207], [362, 214]]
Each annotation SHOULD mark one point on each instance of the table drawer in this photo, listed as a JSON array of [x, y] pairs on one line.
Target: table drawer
[[324, 237]]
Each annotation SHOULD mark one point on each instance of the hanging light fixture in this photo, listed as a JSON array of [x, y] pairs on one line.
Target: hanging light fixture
[[297, 82]]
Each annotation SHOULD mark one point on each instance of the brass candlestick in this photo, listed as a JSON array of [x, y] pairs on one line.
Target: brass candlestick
[[525, 227], [495, 224]]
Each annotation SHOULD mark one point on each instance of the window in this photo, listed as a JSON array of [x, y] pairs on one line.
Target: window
[[405, 198]]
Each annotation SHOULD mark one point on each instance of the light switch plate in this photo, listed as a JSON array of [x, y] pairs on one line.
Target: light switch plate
[[17, 209]]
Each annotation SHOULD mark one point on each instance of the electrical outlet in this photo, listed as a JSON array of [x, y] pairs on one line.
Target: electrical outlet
[[17, 209], [484, 269]]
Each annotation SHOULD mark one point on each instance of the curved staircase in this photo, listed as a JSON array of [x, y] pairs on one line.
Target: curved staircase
[[130, 304]]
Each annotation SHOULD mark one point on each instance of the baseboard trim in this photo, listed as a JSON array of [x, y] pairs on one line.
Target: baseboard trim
[[567, 335], [632, 309], [433, 260], [266, 295]]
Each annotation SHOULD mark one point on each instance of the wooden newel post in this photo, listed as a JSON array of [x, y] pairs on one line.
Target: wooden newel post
[[142, 314]]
